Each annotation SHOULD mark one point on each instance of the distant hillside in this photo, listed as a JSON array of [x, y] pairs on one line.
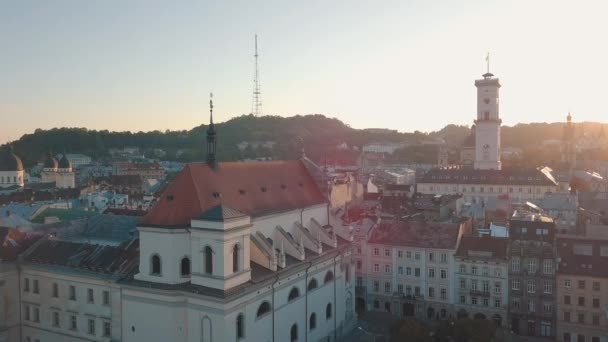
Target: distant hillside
[[319, 133]]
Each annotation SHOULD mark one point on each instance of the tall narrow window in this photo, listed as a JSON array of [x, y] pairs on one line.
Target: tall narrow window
[[312, 284], [235, 258], [185, 267], [208, 260], [329, 276], [328, 311], [294, 333], [156, 267], [313, 321], [240, 326], [293, 294]]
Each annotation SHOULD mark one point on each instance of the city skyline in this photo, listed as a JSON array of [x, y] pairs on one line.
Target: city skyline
[[150, 66]]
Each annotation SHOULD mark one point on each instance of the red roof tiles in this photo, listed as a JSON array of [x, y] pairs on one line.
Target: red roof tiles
[[252, 188]]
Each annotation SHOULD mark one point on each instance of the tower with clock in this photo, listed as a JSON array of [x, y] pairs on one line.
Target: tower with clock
[[487, 124]]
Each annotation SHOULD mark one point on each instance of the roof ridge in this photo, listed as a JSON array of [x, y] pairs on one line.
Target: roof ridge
[[196, 188]]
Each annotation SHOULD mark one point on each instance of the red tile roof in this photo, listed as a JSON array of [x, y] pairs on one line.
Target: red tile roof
[[254, 188]]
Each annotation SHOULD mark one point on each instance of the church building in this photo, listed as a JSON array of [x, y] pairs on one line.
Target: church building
[[487, 178], [60, 172], [240, 251], [11, 170]]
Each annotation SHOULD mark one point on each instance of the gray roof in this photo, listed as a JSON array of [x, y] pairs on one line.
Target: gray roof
[[221, 213], [110, 228], [558, 201], [498, 177]]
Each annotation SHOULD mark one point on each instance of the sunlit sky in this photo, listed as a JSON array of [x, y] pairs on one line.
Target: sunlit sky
[[406, 65]]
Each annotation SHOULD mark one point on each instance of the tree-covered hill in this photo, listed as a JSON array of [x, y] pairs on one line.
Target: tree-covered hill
[[319, 133]]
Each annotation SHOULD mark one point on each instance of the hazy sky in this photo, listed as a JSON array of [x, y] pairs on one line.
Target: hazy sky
[[407, 65]]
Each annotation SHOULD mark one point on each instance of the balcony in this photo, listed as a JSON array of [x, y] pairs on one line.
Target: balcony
[[479, 293]]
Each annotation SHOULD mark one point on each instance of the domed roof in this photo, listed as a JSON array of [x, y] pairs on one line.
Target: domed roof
[[9, 161], [50, 162], [64, 163]]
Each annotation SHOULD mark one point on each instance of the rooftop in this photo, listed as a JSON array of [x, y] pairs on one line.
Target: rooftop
[[496, 177], [484, 246], [254, 189], [584, 257], [424, 234], [108, 260]]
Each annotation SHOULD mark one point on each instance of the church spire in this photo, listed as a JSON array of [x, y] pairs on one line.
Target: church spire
[[211, 143]]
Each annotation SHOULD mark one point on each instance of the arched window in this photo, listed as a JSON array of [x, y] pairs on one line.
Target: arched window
[[263, 309], [312, 321], [293, 294], [208, 260], [294, 333], [156, 266], [312, 284], [240, 326], [185, 267], [329, 276], [347, 275], [235, 258], [328, 311]]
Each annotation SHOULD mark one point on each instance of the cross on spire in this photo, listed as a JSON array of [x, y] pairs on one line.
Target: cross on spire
[[211, 139]]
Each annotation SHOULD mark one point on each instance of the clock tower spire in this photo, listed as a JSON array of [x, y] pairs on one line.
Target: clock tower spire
[[487, 124]]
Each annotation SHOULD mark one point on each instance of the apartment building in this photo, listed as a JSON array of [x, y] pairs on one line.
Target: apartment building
[[481, 273], [582, 289], [532, 274], [407, 268]]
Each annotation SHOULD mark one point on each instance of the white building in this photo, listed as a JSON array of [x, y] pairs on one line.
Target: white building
[[62, 286], [487, 125], [11, 170], [482, 278], [382, 147], [77, 159], [407, 268], [487, 178], [240, 251], [563, 209], [60, 172]]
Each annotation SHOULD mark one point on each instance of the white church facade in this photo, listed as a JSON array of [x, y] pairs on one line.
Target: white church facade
[[231, 252], [240, 252]]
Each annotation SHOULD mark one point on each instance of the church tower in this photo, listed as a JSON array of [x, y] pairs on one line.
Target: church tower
[[568, 145], [487, 125]]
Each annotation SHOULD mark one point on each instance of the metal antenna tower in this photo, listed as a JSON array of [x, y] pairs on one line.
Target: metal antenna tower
[[256, 106]]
